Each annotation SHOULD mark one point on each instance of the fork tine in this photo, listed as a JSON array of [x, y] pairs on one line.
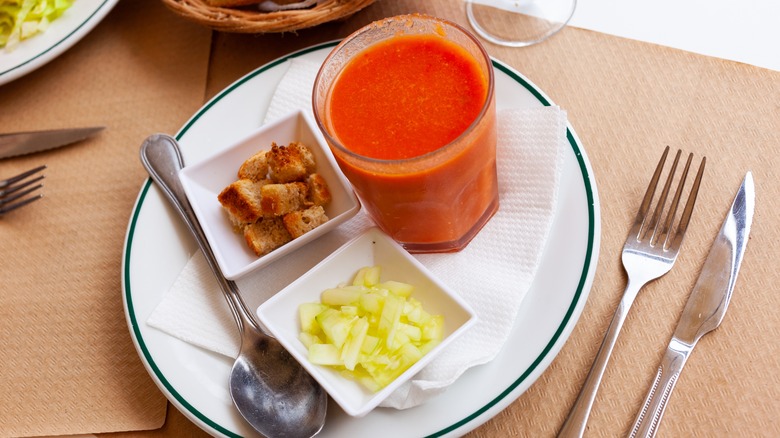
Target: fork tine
[[8, 199], [5, 208], [666, 227], [661, 205], [641, 215], [8, 190], [676, 242], [21, 176]]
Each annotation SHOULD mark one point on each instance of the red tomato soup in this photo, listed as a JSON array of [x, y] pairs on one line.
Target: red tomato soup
[[418, 114]]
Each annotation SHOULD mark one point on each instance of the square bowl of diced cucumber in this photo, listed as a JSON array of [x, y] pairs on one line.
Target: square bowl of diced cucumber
[[365, 320]]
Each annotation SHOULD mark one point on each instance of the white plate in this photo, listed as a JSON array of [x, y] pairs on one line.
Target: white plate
[[61, 35], [158, 246]]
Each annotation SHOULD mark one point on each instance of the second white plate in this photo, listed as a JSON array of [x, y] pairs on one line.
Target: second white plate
[[62, 33]]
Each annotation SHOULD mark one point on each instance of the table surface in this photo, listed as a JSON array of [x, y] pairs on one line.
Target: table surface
[[705, 80], [744, 33]]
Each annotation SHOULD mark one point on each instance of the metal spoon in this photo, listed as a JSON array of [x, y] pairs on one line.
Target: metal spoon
[[268, 386]]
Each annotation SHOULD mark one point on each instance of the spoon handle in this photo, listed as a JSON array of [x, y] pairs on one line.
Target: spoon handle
[[162, 158]]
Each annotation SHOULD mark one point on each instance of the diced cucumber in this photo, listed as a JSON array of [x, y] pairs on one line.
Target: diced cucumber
[[351, 350], [349, 310], [370, 344], [413, 332], [342, 296], [415, 314], [434, 328], [399, 339], [371, 302], [409, 355], [371, 331], [309, 339], [335, 325], [363, 378], [397, 287], [390, 318], [428, 346], [307, 312], [367, 276], [325, 354]]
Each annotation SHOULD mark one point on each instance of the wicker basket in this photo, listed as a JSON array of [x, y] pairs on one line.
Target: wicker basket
[[246, 20]]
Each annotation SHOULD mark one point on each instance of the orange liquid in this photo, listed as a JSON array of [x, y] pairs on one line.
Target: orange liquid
[[404, 98]]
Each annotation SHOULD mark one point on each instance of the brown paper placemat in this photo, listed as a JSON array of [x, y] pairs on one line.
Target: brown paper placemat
[[143, 70], [627, 100], [68, 363]]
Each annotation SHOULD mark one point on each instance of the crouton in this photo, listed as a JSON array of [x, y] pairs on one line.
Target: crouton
[[290, 163], [243, 200], [300, 222], [276, 198], [319, 194], [280, 199], [255, 168], [238, 224], [266, 235]]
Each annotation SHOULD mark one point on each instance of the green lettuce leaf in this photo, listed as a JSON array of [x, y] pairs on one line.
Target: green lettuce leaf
[[22, 19]]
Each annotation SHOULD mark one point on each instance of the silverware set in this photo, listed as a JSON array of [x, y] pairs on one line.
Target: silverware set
[[14, 190], [705, 308], [650, 251]]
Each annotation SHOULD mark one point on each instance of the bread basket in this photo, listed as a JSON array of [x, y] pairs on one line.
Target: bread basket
[[250, 19]]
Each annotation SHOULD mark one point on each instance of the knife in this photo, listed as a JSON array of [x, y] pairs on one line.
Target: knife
[[21, 143], [705, 307]]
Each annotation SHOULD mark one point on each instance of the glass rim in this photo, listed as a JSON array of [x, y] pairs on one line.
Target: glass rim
[[331, 140]]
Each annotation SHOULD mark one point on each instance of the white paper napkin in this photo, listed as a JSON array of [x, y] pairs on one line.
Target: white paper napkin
[[493, 273]]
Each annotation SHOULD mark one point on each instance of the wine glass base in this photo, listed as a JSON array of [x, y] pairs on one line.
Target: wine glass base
[[518, 23]]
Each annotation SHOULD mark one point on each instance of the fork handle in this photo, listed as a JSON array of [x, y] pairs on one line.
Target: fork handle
[[649, 417], [574, 426]]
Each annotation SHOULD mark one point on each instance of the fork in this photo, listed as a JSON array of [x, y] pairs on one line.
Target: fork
[[13, 189], [649, 252]]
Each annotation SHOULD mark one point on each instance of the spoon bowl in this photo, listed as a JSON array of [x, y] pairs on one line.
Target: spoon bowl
[[270, 389]]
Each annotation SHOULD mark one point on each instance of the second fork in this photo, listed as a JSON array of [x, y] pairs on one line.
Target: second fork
[[650, 251], [14, 189]]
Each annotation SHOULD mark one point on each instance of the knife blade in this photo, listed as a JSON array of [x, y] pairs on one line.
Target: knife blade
[[22, 143], [705, 308]]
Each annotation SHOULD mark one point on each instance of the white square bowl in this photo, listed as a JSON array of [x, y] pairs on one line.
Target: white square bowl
[[279, 314], [203, 181]]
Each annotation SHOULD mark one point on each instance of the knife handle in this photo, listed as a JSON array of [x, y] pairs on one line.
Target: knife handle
[[649, 417]]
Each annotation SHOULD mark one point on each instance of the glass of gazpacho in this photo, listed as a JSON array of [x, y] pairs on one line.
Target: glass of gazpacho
[[407, 106]]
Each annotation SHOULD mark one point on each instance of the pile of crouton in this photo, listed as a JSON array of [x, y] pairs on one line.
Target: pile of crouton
[[278, 197]]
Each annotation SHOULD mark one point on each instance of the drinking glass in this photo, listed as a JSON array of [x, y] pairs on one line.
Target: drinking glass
[[436, 202]]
